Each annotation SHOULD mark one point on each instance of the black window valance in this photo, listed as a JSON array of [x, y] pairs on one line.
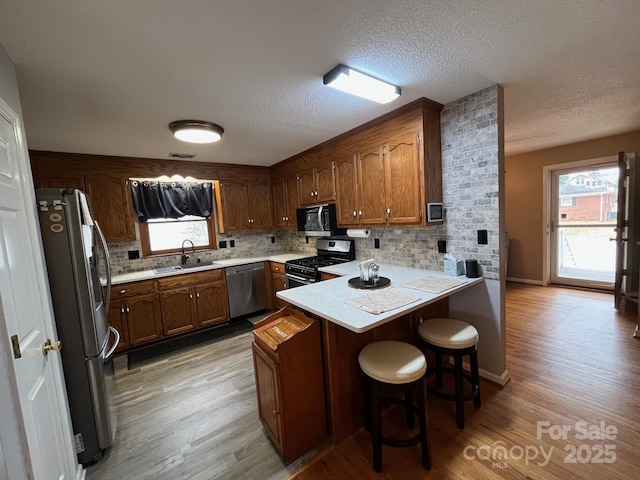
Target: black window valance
[[152, 199]]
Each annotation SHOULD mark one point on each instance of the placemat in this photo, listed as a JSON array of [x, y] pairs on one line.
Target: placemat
[[433, 284], [380, 302]]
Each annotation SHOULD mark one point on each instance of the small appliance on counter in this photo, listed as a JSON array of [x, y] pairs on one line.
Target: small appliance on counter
[[304, 271], [369, 277]]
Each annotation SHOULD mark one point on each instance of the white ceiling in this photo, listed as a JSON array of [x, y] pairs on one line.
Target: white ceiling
[[107, 77]]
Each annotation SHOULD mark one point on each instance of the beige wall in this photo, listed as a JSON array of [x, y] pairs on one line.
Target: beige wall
[[523, 197]]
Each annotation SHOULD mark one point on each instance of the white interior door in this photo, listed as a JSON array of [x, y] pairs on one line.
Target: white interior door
[[44, 445]]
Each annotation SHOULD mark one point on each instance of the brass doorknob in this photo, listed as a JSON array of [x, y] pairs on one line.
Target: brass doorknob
[[47, 346]]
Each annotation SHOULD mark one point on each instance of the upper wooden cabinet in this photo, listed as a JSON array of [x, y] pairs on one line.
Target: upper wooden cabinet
[[243, 205], [110, 200], [285, 201], [59, 182], [317, 184]]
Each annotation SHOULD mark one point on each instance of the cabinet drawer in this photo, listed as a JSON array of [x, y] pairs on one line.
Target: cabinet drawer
[[191, 279], [277, 267], [129, 289]]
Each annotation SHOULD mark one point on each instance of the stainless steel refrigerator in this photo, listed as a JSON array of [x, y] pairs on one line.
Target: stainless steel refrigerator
[[74, 249]]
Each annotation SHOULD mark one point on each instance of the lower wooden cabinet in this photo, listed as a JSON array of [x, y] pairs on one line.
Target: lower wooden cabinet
[[287, 360], [193, 301], [135, 312], [150, 310], [278, 282]]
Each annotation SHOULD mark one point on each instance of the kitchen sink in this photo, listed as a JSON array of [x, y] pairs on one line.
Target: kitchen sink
[[177, 268]]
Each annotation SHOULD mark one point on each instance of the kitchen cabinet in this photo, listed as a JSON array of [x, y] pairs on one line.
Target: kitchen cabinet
[[317, 185], [278, 282], [290, 392], [110, 201], [285, 201], [135, 312], [193, 301], [243, 205], [380, 184], [66, 181]]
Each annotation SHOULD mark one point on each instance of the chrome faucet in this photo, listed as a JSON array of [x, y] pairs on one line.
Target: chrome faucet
[[184, 256]]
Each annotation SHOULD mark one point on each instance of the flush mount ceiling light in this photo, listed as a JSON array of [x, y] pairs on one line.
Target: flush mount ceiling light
[[196, 131], [357, 83]]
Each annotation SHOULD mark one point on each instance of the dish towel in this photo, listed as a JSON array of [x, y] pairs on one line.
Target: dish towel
[[380, 302], [434, 284]]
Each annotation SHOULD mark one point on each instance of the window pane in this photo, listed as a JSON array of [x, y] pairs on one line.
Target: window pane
[[167, 236]]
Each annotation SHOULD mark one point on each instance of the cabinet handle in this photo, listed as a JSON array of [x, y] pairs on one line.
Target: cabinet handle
[[312, 194], [275, 412], [355, 214], [388, 212], [122, 310], [360, 212], [277, 269], [128, 310], [316, 193], [122, 292], [287, 219], [191, 295], [198, 295]]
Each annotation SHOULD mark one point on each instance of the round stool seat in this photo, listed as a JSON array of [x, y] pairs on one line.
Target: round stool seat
[[392, 362], [448, 333]]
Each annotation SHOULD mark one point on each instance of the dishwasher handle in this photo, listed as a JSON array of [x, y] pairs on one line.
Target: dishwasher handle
[[251, 267]]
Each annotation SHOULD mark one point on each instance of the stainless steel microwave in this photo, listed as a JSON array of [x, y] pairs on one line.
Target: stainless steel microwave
[[319, 220]]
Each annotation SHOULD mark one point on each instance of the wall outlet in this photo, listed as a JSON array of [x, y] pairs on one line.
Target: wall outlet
[[222, 244], [442, 246], [376, 243], [232, 243], [273, 240], [482, 237], [133, 254]]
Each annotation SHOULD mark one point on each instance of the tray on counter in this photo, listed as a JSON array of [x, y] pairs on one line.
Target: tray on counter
[[355, 282]]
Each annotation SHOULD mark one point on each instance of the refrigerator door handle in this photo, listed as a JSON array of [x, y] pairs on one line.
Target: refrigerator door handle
[[105, 250], [109, 353]]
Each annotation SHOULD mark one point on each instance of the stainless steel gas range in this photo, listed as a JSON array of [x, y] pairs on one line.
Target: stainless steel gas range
[[304, 271]]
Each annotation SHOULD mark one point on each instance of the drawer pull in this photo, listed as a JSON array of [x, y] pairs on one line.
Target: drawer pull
[[122, 292]]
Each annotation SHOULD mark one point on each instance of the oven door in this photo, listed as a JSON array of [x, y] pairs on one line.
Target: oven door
[[293, 281]]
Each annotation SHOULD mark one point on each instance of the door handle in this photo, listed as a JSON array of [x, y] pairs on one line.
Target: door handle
[[49, 346]]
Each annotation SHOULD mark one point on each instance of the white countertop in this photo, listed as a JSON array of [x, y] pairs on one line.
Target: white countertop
[[150, 275], [326, 299]]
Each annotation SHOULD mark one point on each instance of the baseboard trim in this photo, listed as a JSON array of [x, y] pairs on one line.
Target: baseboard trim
[[525, 280], [500, 380]]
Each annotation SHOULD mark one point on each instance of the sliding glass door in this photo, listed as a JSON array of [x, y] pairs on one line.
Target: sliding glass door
[[584, 210]]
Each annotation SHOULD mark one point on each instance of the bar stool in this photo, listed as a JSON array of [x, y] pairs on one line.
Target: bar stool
[[392, 367], [448, 336]]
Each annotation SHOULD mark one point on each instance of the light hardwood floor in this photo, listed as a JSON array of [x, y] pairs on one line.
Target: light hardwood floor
[[192, 414]]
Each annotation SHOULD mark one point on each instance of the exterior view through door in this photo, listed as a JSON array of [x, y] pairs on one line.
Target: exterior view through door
[[584, 211]]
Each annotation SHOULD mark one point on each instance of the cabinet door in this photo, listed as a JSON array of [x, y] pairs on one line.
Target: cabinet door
[[268, 392], [111, 206], [402, 181], [60, 182], [325, 184], [235, 206], [372, 193], [307, 187], [178, 310], [347, 191], [279, 283], [144, 318], [279, 202], [260, 205], [211, 303], [291, 190], [118, 320]]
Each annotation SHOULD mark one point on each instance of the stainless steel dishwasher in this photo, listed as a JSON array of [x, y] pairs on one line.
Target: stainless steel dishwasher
[[246, 289]]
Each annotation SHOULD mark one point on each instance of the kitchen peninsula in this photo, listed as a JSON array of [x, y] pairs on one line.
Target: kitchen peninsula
[[347, 329]]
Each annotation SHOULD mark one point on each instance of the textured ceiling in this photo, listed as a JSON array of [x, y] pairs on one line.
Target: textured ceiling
[[107, 77]]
